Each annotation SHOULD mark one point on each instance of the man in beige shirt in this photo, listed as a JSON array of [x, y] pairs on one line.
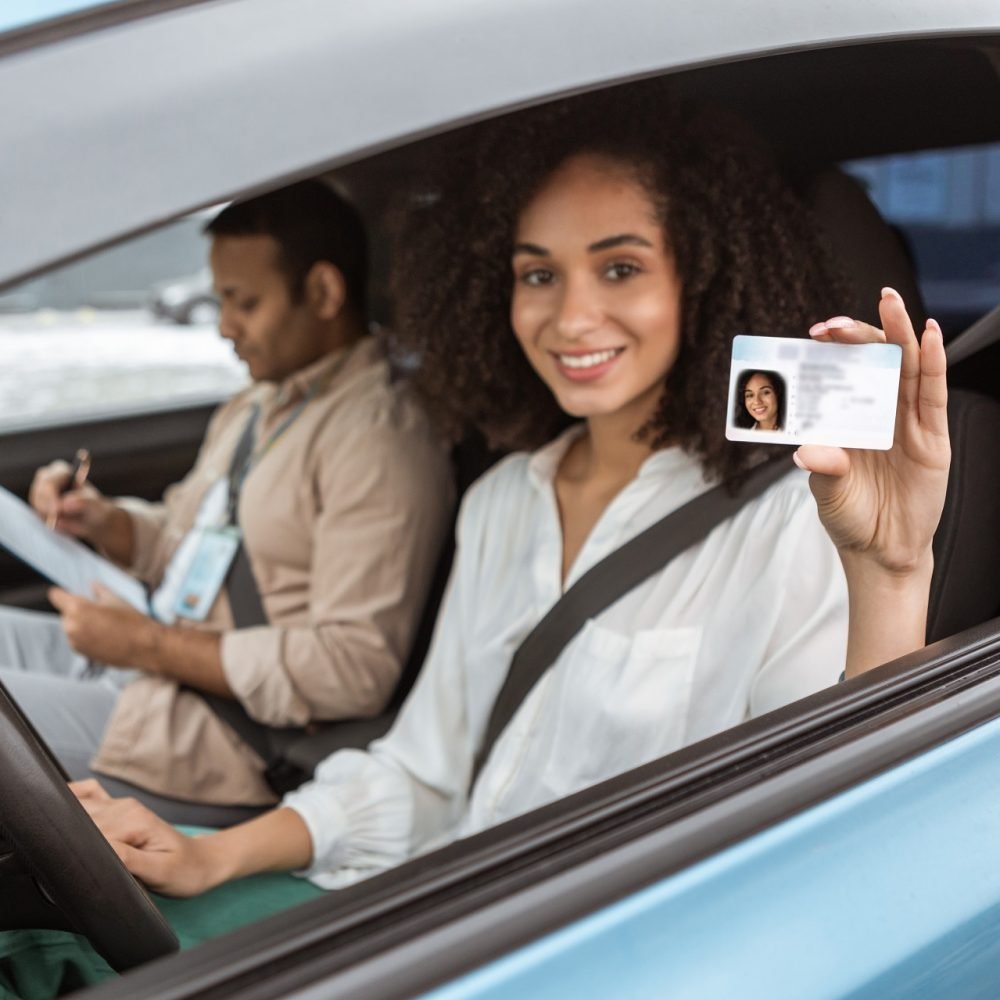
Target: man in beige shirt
[[343, 509]]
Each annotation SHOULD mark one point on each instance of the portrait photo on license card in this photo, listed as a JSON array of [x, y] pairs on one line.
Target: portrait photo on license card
[[788, 391]]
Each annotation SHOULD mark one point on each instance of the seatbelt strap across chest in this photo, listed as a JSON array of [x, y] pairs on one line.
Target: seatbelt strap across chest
[[611, 579], [241, 586]]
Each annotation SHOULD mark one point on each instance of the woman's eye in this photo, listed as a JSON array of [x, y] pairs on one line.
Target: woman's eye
[[536, 276], [620, 271]]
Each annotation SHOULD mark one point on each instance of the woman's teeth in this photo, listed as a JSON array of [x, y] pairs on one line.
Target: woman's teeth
[[588, 360]]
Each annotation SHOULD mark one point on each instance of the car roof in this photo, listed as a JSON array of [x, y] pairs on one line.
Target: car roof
[[123, 117]]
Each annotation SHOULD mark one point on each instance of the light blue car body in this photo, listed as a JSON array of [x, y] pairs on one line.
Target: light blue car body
[[864, 895]]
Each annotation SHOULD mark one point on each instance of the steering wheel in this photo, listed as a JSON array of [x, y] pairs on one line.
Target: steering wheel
[[56, 869]]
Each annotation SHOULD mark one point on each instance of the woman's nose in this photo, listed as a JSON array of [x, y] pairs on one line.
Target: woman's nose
[[579, 310]]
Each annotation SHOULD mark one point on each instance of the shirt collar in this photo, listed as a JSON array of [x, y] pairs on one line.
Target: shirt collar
[[544, 463], [324, 372]]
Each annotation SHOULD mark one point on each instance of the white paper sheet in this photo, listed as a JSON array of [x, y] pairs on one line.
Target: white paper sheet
[[60, 559]]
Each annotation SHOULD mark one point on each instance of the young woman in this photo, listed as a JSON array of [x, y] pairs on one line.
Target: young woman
[[578, 281], [760, 401]]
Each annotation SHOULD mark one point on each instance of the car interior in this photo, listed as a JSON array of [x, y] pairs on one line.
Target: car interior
[[818, 136]]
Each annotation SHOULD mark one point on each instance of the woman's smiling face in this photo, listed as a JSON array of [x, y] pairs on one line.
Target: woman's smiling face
[[761, 400], [596, 301]]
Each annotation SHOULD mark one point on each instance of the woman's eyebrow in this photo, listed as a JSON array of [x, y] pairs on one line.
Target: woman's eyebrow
[[533, 248], [623, 239]]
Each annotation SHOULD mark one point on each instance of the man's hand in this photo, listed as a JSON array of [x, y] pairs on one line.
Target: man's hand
[[83, 512], [109, 631], [105, 630], [152, 850]]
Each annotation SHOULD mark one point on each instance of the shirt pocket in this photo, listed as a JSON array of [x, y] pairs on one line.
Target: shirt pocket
[[618, 701]]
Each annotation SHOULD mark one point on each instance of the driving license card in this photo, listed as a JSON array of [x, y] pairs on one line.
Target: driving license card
[[216, 550], [790, 391]]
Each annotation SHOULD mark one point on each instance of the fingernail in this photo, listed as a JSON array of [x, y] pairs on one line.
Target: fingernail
[[817, 330], [891, 293], [841, 322], [797, 460], [932, 324]]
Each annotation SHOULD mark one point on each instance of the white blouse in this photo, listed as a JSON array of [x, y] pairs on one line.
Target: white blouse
[[750, 619]]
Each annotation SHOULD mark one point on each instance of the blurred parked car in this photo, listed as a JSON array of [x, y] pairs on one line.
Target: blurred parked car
[[189, 301], [119, 277]]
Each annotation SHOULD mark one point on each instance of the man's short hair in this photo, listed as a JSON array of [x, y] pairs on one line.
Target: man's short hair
[[310, 222]]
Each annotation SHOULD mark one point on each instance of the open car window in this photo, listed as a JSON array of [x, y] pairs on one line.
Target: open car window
[[128, 329], [131, 328]]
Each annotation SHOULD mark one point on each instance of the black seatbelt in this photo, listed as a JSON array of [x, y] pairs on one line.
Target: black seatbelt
[[244, 600], [597, 589], [241, 586], [611, 579]]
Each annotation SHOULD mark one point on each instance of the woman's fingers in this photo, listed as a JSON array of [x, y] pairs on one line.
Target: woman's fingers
[[149, 867], [823, 460], [933, 396], [899, 330], [922, 374], [844, 330], [89, 790]]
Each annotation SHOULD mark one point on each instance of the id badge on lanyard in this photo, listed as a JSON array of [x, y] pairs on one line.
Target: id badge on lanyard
[[217, 547]]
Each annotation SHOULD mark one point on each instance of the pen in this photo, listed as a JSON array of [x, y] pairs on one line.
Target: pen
[[78, 473]]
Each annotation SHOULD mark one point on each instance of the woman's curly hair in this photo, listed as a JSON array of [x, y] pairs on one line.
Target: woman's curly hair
[[746, 250]]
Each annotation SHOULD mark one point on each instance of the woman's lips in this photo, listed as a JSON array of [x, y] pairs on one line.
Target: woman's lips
[[587, 366]]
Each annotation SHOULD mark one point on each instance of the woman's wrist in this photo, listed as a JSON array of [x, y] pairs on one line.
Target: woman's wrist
[[862, 570], [215, 858], [277, 841], [878, 594]]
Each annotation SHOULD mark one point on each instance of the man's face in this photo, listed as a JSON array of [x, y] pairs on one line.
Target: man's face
[[273, 335]]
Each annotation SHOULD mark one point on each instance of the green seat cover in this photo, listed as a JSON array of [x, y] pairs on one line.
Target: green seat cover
[[41, 964]]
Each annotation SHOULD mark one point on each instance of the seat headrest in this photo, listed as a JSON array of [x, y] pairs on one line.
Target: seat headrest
[[870, 252]]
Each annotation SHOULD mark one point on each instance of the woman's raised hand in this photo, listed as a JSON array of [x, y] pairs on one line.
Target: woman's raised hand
[[881, 508], [885, 505]]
